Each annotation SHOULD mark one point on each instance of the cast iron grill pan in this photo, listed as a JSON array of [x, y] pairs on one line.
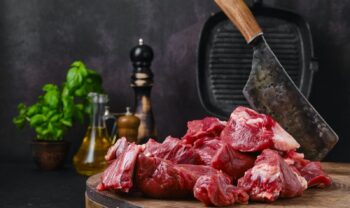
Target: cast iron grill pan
[[224, 58]]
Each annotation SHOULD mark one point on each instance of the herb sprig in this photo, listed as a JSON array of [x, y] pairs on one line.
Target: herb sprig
[[59, 106]]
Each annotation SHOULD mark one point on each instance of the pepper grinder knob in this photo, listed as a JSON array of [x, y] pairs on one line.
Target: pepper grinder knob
[[141, 55]]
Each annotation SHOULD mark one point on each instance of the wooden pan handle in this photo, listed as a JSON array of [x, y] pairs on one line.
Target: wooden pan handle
[[241, 16]]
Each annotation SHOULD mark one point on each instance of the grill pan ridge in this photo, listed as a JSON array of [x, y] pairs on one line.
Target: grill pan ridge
[[224, 59]]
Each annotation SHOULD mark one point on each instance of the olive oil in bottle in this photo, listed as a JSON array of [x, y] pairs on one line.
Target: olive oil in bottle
[[89, 159]]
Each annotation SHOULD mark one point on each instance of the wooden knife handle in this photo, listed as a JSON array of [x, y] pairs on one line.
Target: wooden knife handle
[[241, 16]]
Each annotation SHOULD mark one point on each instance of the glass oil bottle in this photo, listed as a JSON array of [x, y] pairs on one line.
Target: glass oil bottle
[[89, 159]]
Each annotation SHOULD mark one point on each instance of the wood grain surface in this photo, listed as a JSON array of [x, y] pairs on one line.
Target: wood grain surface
[[337, 195]]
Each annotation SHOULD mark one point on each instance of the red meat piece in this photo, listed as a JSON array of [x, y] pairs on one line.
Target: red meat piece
[[249, 131], [160, 178], [270, 178], [208, 126], [311, 171], [152, 147], [315, 176], [161, 150], [117, 149], [207, 147], [232, 162], [184, 154], [119, 174], [295, 159], [221, 156], [174, 150], [216, 190]]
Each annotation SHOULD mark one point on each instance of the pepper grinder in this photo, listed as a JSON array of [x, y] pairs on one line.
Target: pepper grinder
[[141, 81], [128, 125]]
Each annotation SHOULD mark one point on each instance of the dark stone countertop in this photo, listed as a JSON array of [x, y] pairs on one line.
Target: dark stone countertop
[[23, 185]]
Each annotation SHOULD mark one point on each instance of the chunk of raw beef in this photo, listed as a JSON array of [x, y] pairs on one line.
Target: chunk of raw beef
[[232, 162], [315, 176], [174, 150], [184, 154], [249, 131], [207, 147], [119, 174], [161, 150], [294, 158], [152, 147], [218, 191], [208, 126], [270, 178], [311, 171], [117, 149], [160, 178]]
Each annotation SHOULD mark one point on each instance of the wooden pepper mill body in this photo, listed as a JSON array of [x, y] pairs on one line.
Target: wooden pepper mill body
[[142, 82], [128, 125]]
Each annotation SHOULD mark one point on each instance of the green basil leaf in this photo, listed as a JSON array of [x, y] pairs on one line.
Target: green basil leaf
[[34, 109], [45, 133], [74, 78], [45, 110], [22, 109], [68, 101], [81, 92], [21, 106], [68, 104], [88, 109], [76, 74], [52, 95], [37, 120], [50, 114], [79, 107], [50, 127], [49, 87], [77, 64], [55, 118], [83, 70], [66, 91], [39, 130], [58, 134], [66, 122], [19, 121]]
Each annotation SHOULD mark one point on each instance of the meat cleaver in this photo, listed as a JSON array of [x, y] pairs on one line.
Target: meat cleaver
[[270, 90]]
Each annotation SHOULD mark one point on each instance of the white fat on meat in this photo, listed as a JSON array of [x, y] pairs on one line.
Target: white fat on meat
[[254, 121], [223, 122], [264, 194], [282, 140], [266, 174], [240, 115]]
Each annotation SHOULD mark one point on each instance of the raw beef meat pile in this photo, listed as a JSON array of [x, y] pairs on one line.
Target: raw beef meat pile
[[250, 157]]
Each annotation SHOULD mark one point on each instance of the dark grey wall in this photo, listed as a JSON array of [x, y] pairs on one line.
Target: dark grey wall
[[39, 39]]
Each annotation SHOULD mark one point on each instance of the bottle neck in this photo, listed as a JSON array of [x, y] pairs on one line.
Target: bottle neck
[[97, 113]]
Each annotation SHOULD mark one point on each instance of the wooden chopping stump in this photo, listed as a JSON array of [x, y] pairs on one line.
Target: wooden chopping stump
[[337, 195]]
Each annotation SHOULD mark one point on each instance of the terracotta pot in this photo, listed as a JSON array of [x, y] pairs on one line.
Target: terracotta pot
[[49, 155]]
